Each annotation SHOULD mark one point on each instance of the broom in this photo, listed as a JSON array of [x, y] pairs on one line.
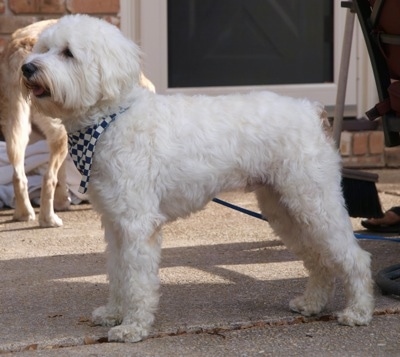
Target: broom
[[359, 190]]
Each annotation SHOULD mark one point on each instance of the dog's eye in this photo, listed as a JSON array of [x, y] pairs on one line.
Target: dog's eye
[[68, 53], [42, 49]]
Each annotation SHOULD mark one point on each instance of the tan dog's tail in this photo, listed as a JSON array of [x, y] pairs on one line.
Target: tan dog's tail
[[146, 83]]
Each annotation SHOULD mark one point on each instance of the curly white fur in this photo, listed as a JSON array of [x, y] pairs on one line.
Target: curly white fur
[[167, 156]]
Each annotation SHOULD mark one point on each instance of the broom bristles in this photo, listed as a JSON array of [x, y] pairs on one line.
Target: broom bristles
[[360, 194]]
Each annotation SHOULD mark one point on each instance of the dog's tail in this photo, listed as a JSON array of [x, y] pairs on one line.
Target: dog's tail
[[359, 189]]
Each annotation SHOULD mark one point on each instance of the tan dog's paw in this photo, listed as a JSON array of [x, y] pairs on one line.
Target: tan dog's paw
[[51, 221], [24, 215]]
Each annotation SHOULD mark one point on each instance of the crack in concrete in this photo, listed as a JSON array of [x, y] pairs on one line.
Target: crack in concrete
[[186, 330]]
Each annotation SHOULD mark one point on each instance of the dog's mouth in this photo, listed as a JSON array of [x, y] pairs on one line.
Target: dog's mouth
[[39, 91]]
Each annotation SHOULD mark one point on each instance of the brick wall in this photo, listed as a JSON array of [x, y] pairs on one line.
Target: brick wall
[[366, 149], [19, 13]]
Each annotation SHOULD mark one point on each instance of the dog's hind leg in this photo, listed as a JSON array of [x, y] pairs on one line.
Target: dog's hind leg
[[321, 282], [62, 200], [16, 133], [134, 256], [317, 228], [54, 191]]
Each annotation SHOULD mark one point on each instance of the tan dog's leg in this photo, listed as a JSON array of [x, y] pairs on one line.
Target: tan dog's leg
[[16, 133], [54, 193], [62, 200]]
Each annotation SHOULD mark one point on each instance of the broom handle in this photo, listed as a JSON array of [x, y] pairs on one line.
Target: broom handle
[[343, 74]]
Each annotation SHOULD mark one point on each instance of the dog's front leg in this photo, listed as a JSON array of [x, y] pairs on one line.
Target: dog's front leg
[[134, 284], [54, 190], [140, 287], [16, 133], [111, 314]]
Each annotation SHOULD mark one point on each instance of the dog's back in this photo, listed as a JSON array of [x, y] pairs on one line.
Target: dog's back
[[204, 145]]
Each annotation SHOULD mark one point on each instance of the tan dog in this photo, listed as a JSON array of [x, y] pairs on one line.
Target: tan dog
[[16, 117]]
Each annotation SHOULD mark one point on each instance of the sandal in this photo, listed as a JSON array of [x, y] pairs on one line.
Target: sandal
[[384, 228]]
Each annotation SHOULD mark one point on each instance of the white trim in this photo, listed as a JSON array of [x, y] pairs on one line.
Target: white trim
[[154, 41], [129, 18]]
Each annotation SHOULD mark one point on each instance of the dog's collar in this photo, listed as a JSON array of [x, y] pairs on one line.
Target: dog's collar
[[81, 145]]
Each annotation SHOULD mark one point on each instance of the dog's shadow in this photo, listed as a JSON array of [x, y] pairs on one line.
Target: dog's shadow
[[201, 285], [223, 283]]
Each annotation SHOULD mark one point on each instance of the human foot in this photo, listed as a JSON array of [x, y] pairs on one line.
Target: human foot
[[389, 223]]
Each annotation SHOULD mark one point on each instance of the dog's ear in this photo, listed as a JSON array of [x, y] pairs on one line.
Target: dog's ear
[[120, 70]]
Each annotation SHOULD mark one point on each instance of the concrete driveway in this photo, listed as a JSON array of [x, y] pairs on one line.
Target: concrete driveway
[[226, 284]]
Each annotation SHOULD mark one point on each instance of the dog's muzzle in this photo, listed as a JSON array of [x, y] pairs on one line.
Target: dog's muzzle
[[28, 69]]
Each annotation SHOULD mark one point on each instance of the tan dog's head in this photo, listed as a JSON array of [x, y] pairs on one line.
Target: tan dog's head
[[81, 65]]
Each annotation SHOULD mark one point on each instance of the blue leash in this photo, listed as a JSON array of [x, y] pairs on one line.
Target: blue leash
[[260, 216], [240, 209], [367, 236]]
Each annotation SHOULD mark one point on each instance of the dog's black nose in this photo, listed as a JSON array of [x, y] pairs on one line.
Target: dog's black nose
[[28, 70]]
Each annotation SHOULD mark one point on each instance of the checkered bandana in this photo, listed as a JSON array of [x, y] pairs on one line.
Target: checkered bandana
[[81, 145]]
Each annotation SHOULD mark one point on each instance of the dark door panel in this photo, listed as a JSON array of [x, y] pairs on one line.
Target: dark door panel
[[249, 42]]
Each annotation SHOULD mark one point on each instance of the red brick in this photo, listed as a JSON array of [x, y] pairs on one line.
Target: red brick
[[364, 161], [376, 142], [114, 20], [360, 143], [346, 143], [37, 6], [392, 156], [22, 6], [93, 6], [9, 24]]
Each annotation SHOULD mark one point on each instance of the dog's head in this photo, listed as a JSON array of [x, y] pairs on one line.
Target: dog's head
[[79, 64]]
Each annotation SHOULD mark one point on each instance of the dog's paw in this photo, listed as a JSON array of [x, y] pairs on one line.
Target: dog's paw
[[355, 317], [62, 202], [24, 215], [306, 306], [50, 221], [127, 333], [105, 317]]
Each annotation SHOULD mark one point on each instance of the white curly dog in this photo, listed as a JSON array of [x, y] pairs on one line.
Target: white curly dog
[[162, 157]]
